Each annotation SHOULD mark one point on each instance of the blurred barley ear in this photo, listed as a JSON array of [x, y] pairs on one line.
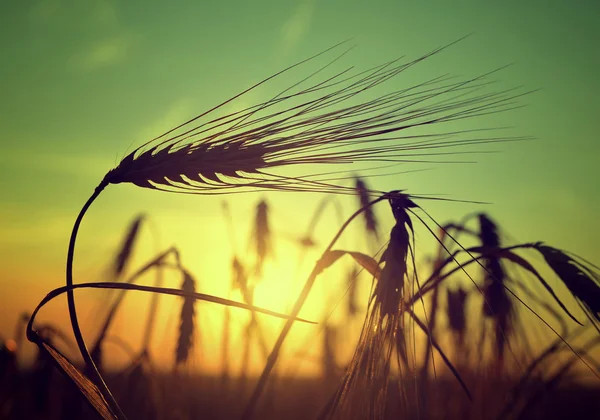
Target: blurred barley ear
[[371, 223], [457, 300], [457, 318], [186, 321], [126, 249], [330, 367], [497, 304], [352, 284], [262, 236], [581, 278]]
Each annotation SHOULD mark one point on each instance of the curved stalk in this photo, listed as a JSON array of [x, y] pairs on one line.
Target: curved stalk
[[96, 377], [262, 381]]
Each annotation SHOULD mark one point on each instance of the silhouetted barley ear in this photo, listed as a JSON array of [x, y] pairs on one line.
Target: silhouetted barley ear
[[240, 278], [329, 364], [332, 120], [186, 321], [352, 284], [262, 236], [581, 278], [497, 305], [457, 300], [391, 284], [127, 246], [369, 369], [390, 287], [369, 215]]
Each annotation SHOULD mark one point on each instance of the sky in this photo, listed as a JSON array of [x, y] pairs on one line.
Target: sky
[[83, 82]]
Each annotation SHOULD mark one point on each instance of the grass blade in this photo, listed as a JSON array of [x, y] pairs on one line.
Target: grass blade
[[90, 391]]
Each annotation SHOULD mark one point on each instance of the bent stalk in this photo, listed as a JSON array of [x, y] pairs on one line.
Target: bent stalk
[[96, 377]]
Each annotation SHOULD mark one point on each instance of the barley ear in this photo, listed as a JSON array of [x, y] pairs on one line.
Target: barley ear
[[186, 323], [127, 246], [582, 280]]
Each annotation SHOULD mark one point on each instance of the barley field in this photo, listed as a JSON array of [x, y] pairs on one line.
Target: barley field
[[314, 210]]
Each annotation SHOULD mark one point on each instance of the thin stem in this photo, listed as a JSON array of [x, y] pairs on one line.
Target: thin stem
[[96, 377], [262, 381]]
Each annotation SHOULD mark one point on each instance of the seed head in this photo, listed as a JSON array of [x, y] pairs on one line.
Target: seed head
[[582, 280], [127, 246], [262, 235], [457, 310], [186, 324], [339, 119], [364, 199]]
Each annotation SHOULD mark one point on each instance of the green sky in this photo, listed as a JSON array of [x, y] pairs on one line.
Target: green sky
[[83, 81]]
